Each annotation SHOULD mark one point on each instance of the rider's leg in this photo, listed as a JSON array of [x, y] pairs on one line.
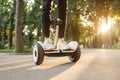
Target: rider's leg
[[62, 9], [45, 15]]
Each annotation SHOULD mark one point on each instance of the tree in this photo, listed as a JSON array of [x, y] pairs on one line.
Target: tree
[[73, 21], [11, 24], [4, 19], [18, 27]]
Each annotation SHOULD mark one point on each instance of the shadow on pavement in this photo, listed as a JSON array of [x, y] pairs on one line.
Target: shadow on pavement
[[25, 69]]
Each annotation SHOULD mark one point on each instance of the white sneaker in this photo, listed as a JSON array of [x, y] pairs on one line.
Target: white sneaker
[[62, 45], [48, 45]]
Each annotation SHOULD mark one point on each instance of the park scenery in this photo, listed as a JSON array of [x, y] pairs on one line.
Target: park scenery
[[92, 32], [92, 23]]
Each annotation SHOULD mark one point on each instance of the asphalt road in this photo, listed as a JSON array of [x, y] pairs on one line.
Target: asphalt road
[[94, 64]]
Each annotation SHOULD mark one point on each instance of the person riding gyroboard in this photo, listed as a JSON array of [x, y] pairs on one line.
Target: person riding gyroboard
[[72, 50]]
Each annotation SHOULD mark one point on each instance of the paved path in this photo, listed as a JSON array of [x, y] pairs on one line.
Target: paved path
[[95, 64]]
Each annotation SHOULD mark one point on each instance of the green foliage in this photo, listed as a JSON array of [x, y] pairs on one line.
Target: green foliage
[[4, 21], [91, 10]]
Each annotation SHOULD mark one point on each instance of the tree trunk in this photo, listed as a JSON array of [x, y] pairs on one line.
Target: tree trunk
[[1, 24], [0, 30], [12, 14], [18, 27], [95, 41]]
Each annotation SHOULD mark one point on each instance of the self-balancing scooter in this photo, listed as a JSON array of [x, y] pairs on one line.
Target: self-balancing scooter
[[39, 50]]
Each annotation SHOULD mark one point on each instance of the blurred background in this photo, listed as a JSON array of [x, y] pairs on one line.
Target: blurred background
[[93, 23]]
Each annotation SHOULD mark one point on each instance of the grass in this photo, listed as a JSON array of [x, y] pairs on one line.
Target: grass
[[29, 51], [6, 51], [12, 51]]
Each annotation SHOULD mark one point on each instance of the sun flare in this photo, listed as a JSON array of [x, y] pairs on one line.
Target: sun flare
[[106, 26]]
